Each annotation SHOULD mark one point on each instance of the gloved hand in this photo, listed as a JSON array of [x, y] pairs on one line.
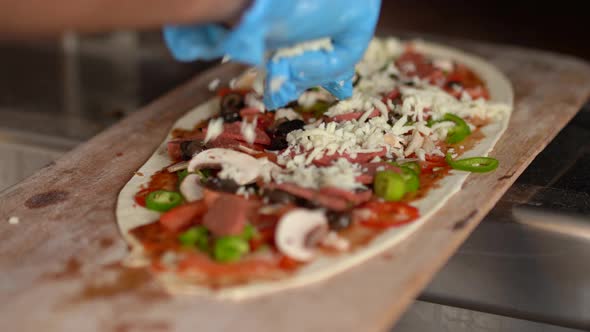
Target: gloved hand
[[272, 24]]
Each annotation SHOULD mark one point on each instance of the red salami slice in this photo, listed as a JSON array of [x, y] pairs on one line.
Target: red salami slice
[[353, 116], [234, 131], [355, 198], [331, 198], [414, 64], [174, 150], [228, 214], [360, 158], [175, 147], [370, 169], [394, 96], [249, 111]]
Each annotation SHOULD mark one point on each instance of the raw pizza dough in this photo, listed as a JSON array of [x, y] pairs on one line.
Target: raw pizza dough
[[130, 215]]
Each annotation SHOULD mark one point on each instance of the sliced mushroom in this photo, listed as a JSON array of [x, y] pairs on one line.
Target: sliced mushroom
[[177, 167], [191, 188], [299, 231], [240, 167]]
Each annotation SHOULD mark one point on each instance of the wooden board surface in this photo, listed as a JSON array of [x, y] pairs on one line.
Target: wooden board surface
[[60, 268]]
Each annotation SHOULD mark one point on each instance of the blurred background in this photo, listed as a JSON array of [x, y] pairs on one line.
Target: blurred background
[[58, 92]]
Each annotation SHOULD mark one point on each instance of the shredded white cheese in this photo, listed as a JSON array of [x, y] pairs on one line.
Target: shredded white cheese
[[245, 191], [248, 130], [287, 113], [342, 174], [310, 98], [253, 101], [357, 102], [443, 64], [213, 85], [397, 128], [214, 129]]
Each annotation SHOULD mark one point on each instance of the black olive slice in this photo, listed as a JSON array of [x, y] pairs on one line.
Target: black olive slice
[[231, 104], [189, 148], [224, 185], [279, 197], [339, 220]]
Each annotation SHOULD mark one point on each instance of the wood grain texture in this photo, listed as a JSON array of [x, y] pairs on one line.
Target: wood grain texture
[[20, 161], [59, 265]]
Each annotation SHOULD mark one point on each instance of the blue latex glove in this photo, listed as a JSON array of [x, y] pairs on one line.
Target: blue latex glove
[[272, 24]]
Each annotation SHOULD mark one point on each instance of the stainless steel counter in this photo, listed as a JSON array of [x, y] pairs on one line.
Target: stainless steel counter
[[506, 277]]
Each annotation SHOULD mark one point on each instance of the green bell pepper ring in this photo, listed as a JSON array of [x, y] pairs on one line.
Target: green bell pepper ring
[[414, 166], [475, 164], [162, 200], [389, 185], [249, 232], [230, 249], [457, 133], [195, 237], [181, 175], [318, 109], [204, 173], [411, 178]]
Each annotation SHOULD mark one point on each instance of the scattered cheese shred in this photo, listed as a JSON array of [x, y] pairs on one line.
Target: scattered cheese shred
[[400, 128], [248, 130], [342, 174], [251, 100], [213, 85], [214, 129]]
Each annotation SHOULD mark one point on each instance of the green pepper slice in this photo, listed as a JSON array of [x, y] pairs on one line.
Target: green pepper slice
[[181, 175], [195, 237], [249, 232], [389, 185], [414, 166], [230, 248], [411, 178], [204, 173], [318, 109], [162, 200], [457, 133], [475, 164]]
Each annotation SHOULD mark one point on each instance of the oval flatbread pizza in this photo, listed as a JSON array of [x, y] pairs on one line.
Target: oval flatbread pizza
[[240, 201]]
